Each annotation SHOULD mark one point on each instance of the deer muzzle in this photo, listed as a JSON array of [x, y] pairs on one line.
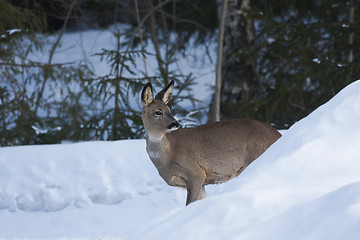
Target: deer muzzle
[[173, 126]]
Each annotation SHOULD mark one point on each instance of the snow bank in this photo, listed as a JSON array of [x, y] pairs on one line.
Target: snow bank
[[306, 186], [51, 178], [82, 190]]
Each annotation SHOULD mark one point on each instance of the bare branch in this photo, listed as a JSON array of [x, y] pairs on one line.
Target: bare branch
[[35, 64], [140, 35], [52, 51]]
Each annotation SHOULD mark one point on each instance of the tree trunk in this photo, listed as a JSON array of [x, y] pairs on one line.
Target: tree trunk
[[237, 70], [214, 114], [351, 36]]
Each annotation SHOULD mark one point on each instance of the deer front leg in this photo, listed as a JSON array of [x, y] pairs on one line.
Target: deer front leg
[[195, 189]]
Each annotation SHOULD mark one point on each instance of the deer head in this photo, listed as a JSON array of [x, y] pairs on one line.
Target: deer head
[[157, 117]]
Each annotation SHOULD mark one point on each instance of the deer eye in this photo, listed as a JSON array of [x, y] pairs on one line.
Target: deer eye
[[158, 113]]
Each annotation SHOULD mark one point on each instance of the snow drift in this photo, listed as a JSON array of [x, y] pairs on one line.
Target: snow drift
[[91, 189], [305, 186]]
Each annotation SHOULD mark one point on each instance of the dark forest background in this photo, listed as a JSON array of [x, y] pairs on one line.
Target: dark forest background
[[280, 61]]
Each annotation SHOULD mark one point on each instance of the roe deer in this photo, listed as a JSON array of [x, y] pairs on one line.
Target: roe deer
[[194, 157]]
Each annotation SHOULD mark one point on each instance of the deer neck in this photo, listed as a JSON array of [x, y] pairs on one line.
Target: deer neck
[[158, 146]]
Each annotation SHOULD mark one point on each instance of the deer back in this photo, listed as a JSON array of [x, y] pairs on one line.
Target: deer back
[[222, 149]]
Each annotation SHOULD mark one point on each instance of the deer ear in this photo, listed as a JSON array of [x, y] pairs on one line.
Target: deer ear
[[147, 95], [165, 94]]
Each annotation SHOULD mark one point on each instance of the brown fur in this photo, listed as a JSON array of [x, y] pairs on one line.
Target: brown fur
[[207, 154]]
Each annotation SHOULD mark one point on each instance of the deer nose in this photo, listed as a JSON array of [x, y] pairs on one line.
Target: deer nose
[[174, 126]]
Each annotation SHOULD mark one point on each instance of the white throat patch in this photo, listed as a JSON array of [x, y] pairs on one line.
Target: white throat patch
[[154, 154], [155, 138]]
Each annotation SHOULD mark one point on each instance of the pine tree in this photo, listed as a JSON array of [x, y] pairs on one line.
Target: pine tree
[[304, 52]]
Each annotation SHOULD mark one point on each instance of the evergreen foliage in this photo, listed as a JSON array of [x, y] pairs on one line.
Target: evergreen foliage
[[304, 53], [16, 17], [48, 103], [37, 99], [120, 120]]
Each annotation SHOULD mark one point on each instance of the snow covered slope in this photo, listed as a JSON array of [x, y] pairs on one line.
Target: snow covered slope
[[91, 189], [306, 186]]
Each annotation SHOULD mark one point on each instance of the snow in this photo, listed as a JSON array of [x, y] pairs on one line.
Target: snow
[[305, 186], [82, 46], [80, 190]]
